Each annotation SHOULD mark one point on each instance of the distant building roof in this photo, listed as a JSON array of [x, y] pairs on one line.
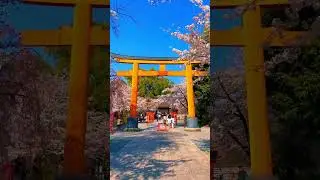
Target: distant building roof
[[164, 106]]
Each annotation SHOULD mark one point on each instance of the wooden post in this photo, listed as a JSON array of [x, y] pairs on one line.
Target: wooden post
[[134, 90], [261, 162], [162, 67], [192, 121], [74, 158], [190, 93]]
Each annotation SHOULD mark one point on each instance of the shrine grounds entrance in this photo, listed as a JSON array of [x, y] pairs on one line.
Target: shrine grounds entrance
[[250, 36], [135, 73]]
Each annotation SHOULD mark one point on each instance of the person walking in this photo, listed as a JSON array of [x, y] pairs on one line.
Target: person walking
[[158, 116], [171, 121], [165, 119]]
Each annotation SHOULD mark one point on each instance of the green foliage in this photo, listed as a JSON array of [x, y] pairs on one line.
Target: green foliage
[[203, 94], [206, 34], [295, 97], [293, 90], [62, 58], [152, 87], [99, 78], [98, 72], [307, 15], [44, 67], [125, 115], [202, 89]]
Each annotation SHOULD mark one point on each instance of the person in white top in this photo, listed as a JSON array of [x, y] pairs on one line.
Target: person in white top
[[171, 121], [165, 119]]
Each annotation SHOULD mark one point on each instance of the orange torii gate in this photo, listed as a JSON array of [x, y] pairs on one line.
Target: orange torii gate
[[79, 37], [252, 36], [135, 73]]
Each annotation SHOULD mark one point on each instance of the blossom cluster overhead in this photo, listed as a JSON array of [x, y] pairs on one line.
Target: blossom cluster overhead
[[199, 46]]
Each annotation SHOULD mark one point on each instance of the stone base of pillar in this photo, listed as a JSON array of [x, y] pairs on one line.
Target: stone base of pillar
[[192, 124], [132, 123]]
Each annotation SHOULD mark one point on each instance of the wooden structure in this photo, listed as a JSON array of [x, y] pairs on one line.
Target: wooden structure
[[252, 36], [79, 37], [135, 73], [164, 108], [150, 115]]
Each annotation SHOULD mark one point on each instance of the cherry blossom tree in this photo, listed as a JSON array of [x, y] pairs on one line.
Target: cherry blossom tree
[[175, 96], [199, 45], [120, 95]]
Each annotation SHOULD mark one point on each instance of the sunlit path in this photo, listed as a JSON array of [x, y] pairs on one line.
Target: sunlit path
[[159, 155]]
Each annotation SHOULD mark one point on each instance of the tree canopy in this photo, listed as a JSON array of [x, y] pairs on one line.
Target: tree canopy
[[152, 87], [294, 91], [99, 72]]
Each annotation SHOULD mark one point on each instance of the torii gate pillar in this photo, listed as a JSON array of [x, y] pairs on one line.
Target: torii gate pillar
[[192, 121], [74, 156], [80, 36], [132, 120]]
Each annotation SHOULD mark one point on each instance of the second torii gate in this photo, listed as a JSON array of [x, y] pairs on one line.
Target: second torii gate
[[252, 36], [135, 73], [80, 36]]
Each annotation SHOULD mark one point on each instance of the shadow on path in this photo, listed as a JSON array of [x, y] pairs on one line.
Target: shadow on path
[[202, 144], [137, 158]]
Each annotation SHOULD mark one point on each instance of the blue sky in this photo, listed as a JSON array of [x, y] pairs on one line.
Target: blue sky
[[146, 35], [27, 17], [222, 57]]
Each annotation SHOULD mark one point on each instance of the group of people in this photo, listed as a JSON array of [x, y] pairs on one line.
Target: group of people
[[165, 118]]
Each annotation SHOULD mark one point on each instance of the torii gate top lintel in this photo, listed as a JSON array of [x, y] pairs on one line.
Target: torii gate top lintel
[[150, 60], [162, 61], [226, 4], [93, 3]]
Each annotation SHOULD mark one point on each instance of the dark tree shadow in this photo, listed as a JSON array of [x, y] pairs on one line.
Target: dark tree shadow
[[137, 161], [202, 144]]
